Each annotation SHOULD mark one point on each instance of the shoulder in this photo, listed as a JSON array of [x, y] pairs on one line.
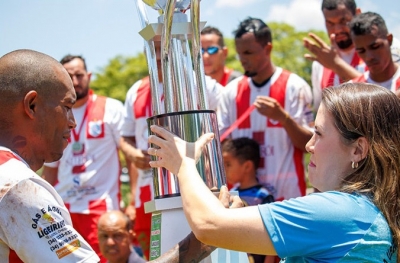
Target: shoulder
[[134, 88]]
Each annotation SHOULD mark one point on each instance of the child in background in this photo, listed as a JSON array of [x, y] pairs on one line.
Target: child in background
[[241, 160]]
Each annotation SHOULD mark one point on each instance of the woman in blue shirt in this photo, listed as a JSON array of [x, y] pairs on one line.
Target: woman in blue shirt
[[354, 163]]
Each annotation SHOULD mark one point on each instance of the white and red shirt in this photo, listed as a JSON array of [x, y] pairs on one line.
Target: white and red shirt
[[392, 84], [137, 110], [282, 164], [322, 77], [88, 172], [35, 226]]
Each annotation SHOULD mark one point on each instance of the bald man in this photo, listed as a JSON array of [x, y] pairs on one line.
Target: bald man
[[35, 124], [115, 234]]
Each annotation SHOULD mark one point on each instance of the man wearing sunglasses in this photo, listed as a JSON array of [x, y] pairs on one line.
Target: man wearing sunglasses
[[214, 56]]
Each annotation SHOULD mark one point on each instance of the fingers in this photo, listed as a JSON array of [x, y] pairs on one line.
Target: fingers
[[333, 42], [318, 40], [224, 196], [309, 57], [161, 132], [236, 202], [204, 140]]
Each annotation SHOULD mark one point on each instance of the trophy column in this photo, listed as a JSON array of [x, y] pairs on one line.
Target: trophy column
[[186, 115]]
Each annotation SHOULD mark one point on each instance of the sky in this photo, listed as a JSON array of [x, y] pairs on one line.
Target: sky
[[100, 30]]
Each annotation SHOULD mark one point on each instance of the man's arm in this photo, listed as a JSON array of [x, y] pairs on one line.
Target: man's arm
[[189, 250], [138, 157], [130, 210], [329, 57], [271, 108]]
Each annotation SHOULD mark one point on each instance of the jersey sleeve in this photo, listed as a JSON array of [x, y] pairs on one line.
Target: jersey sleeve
[[115, 117], [299, 101], [36, 225], [128, 124], [213, 91]]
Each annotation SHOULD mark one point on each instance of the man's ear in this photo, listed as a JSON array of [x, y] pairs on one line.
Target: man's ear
[[358, 11], [30, 103], [89, 74], [389, 38], [361, 147], [268, 48]]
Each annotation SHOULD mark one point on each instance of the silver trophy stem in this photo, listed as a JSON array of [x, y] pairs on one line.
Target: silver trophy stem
[[166, 55], [190, 89], [197, 56], [151, 60]]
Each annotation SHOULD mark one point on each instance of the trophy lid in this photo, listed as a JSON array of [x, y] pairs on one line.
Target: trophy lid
[[160, 4]]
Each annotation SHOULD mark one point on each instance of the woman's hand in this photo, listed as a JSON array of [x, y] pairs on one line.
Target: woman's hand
[[172, 151]]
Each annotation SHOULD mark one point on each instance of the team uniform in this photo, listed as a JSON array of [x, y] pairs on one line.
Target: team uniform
[[88, 172], [35, 226], [137, 110], [281, 164], [393, 84], [322, 77], [229, 75], [329, 227]]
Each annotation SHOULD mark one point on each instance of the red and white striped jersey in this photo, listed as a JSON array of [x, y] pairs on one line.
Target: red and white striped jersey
[[282, 164], [88, 176], [392, 84]]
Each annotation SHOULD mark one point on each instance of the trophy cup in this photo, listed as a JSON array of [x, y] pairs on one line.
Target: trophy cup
[[184, 112]]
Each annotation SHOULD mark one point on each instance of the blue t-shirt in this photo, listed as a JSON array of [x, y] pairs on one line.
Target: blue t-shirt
[[329, 227]]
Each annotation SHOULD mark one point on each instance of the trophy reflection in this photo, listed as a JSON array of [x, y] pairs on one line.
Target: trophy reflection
[[183, 107]]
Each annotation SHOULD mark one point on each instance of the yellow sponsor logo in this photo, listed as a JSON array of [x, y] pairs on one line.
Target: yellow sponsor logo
[[68, 249]]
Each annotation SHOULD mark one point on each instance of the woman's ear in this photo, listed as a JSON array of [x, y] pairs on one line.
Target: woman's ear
[[361, 147]]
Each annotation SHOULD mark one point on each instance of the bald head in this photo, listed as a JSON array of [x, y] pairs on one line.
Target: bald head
[[24, 70], [114, 217], [36, 99]]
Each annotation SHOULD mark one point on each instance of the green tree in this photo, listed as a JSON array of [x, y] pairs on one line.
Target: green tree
[[119, 75]]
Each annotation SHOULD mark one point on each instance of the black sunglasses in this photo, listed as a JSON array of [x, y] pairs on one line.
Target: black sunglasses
[[211, 50]]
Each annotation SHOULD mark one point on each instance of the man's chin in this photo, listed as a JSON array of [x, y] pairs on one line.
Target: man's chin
[[344, 45], [250, 74], [54, 157]]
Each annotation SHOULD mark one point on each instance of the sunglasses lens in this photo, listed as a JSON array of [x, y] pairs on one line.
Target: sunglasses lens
[[210, 50]]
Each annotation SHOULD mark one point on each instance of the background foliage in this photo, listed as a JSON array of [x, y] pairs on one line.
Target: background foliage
[[117, 77]]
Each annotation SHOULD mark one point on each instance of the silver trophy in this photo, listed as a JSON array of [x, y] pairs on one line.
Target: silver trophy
[[186, 109]]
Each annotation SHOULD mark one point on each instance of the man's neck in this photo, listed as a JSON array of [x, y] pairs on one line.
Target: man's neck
[[218, 75], [264, 75], [81, 102], [386, 74]]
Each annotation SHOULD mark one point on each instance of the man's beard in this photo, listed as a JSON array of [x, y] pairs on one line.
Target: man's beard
[[345, 44], [250, 73], [82, 94]]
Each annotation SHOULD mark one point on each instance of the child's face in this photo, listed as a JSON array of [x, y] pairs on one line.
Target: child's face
[[233, 168]]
